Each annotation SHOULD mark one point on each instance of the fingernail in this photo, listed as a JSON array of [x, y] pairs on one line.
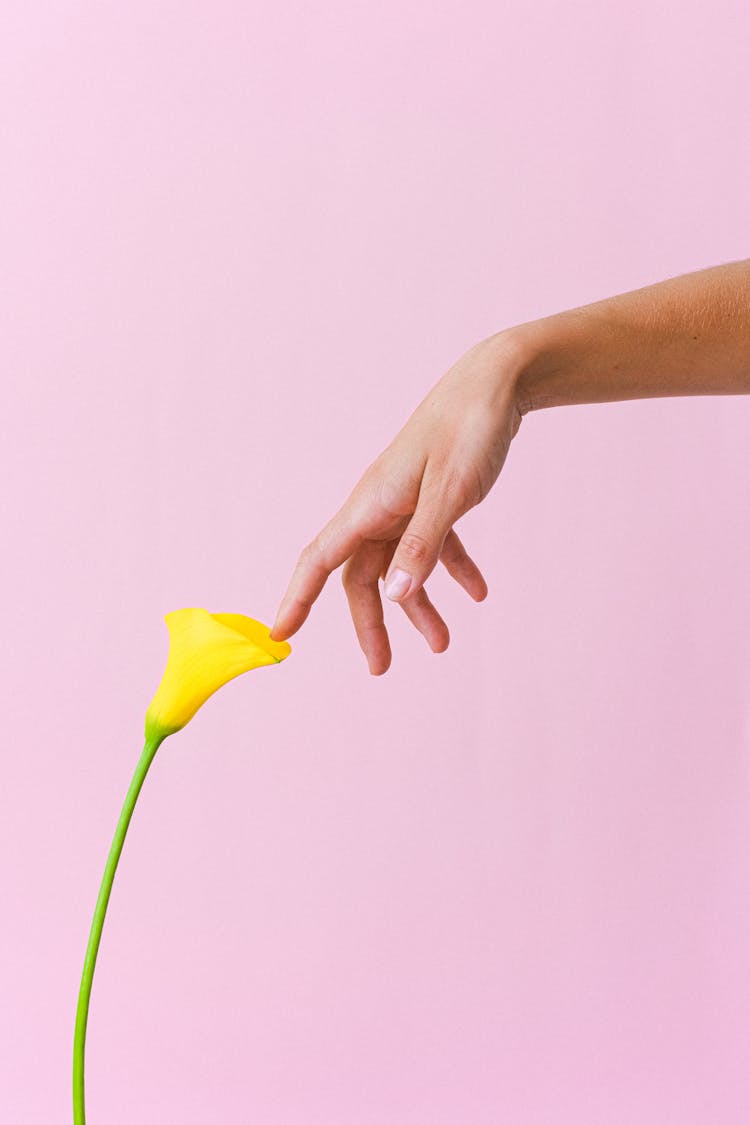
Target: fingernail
[[397, 585]]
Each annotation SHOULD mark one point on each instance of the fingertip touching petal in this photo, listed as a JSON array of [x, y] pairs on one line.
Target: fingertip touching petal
[[206, 651]]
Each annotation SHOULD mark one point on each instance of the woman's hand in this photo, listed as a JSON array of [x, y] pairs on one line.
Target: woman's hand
[[688, 335], [398, 521]]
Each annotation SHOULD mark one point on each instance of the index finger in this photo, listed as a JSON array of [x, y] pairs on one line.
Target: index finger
[[328, 550]]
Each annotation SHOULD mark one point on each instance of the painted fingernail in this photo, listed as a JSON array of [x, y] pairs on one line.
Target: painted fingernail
[[397, 585]]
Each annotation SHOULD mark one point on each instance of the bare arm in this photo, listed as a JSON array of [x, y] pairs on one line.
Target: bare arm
[[689, 335]]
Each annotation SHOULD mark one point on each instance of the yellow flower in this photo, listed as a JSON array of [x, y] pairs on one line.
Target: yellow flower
[[205, 651]]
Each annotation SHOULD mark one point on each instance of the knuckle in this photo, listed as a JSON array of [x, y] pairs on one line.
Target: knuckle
[[415, 547], [393, 497], [310, 553], [462, 487], [348, 579], [352, 576], [369, 483]]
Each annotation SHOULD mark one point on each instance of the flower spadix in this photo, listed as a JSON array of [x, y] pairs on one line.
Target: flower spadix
[[206, 650]]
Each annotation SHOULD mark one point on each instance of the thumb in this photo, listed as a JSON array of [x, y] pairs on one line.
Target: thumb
[[420, 545]]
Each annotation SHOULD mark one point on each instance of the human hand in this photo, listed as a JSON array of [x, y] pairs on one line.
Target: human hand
[[684, 336], [398, 521]]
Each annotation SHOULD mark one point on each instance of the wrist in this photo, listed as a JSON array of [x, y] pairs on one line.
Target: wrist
[[523, 355], [549, 360]]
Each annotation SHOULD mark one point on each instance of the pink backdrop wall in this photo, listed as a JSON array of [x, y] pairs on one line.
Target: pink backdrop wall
[[506, 884]]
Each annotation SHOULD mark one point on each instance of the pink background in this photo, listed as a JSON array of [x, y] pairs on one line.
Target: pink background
[[506, 884]]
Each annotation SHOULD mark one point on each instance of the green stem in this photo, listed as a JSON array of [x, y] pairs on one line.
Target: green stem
[[82, 1012]]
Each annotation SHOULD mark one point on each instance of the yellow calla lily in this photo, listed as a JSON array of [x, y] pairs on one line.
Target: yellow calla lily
[[206, 650]]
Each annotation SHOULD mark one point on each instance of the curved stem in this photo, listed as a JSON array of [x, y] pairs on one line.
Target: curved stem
[[82, 1012]]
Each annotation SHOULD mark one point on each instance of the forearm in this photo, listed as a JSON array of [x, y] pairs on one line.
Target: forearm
[[688, 335]]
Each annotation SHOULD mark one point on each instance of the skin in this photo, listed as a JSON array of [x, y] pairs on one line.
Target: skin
[[688, 335]]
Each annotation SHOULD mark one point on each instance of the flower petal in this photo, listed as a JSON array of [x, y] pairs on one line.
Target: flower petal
[[206, 651], [254, 631]]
